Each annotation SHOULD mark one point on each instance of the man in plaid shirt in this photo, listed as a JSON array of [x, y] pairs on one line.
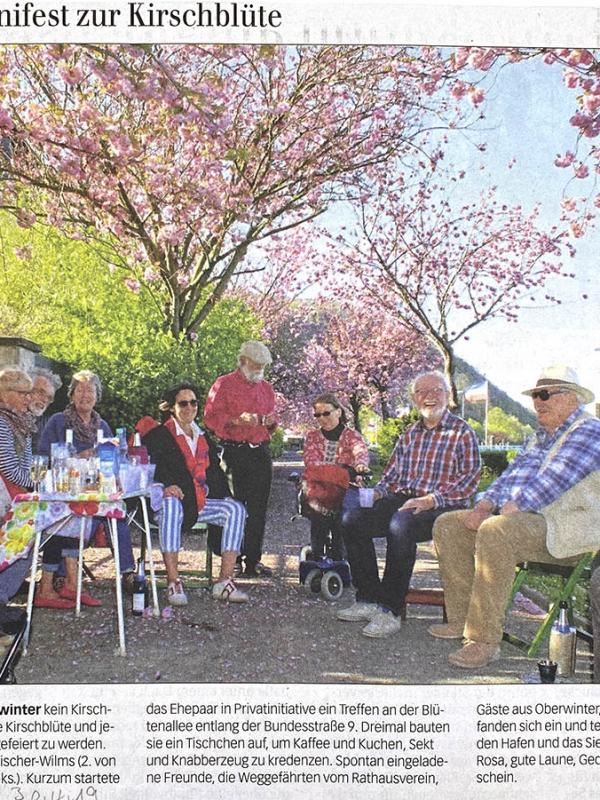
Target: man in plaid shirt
[[434, 468], [542, 508]]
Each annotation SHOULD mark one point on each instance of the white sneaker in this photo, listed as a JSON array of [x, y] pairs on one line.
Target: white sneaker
[[228, 592], [357, 612], [382, 624], [175, 594]]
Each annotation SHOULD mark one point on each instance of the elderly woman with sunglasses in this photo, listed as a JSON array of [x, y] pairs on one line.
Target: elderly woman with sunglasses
[[333, 442], [84, 392], [17, 425], [196, 490]]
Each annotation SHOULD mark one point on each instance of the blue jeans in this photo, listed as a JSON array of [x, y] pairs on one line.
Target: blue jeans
[[126, 559], [403, 531]]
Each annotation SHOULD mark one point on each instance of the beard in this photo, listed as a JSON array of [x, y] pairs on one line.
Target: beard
[[431, 413], [37, 409], [253, 375]]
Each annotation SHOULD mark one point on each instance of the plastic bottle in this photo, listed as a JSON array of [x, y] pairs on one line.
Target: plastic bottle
[[122, 434], [139, 599], [561, 645]]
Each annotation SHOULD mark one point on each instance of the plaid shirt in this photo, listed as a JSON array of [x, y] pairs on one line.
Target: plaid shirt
[[532, 482], [442, 461]]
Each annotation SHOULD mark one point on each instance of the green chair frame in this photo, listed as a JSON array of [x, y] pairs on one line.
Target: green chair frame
[[570, 575], [199, 577]]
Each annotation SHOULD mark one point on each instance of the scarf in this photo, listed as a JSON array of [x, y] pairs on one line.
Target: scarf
[[22, 426], [196, 464], [334, 435], [85, 432]]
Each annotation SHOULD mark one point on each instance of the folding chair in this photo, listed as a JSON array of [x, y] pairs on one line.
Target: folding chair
[[570, 575]]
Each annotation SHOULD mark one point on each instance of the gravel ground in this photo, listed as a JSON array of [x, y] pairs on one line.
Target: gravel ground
[[282, 636]]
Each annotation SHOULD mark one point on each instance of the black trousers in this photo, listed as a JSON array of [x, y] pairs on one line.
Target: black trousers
[[251, 473], [320, 527], [403, 531]]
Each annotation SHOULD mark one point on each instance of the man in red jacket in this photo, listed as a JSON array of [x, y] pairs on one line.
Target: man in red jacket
[[240, 411]]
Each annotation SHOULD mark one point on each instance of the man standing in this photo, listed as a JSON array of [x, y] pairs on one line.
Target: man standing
[[544, 507], [240, 410], [434, 467]]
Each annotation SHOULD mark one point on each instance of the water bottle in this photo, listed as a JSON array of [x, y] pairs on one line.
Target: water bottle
[[561, 645], [71, 453], [139, 599], [122, 434]]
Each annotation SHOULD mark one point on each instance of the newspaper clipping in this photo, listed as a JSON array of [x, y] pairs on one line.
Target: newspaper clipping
[[458, 121]]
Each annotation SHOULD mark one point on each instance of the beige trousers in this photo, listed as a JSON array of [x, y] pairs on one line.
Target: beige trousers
[[478, 567]]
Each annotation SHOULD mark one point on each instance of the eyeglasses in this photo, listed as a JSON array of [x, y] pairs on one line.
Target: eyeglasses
[[186, 403], [316, 415], [435, 390], [544, 394], [20, 391], [44, 395]]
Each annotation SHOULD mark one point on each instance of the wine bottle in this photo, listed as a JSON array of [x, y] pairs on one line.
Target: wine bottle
[[561, 645], [139, 599]]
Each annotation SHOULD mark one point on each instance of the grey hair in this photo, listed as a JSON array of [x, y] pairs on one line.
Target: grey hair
[[85, 376], [433, 373], [11, 375], [51, 377]]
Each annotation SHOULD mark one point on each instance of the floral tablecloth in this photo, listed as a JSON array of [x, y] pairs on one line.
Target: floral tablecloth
[[30, 513]]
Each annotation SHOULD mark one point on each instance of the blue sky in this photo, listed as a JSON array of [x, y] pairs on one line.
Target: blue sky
[[528, 111]]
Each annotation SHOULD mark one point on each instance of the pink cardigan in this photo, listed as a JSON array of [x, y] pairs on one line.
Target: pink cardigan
[[351, 448]]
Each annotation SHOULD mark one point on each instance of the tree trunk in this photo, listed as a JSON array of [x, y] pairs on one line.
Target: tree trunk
[[355, 407], [449, 367]]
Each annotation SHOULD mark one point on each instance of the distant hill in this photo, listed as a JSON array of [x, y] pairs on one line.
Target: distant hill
[[466, 375]]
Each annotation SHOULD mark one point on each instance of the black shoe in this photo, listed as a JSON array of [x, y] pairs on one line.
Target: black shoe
[[238, 570], [258, 571]]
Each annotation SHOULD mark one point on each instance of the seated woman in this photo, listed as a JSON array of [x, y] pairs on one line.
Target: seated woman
[[332, 443], [85, 390], [187, 464], [16, 428]]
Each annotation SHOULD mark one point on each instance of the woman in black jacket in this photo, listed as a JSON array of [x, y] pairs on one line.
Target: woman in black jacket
[[187, 463]]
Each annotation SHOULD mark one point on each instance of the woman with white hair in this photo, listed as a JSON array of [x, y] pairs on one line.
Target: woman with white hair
[[16, 428], [84, 392]]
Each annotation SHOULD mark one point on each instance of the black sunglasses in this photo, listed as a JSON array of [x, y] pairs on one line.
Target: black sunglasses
[[186, 403], [544, 394], [316, 415]]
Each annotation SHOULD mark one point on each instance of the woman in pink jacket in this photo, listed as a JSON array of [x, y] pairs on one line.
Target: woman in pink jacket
[[333, 442]]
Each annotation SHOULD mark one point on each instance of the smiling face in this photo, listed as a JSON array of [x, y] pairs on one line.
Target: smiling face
[[551, 413], [327, 416], [84, 398], [185, 408], [430, 398], [42, 395], [17, 396]]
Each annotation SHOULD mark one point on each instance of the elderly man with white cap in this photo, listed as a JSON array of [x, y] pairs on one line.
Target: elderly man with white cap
[[240, 410], [544, 507]]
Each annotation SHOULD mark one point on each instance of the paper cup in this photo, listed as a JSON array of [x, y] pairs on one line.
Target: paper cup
[[366, 497]]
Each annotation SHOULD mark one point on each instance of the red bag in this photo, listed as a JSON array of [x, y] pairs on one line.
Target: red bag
[[324, 487]]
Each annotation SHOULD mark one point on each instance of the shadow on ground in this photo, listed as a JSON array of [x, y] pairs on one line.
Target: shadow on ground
[[282, 636]]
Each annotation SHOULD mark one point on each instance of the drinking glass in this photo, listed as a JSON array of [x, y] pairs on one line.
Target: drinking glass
[[38, 470]]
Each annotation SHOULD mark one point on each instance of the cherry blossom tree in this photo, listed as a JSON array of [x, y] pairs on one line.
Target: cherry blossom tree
[[443, 266], [174, 160], [581, 73], [367, 358]]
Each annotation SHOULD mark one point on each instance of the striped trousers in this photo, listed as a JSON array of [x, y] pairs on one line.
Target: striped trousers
[[227, 513]]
